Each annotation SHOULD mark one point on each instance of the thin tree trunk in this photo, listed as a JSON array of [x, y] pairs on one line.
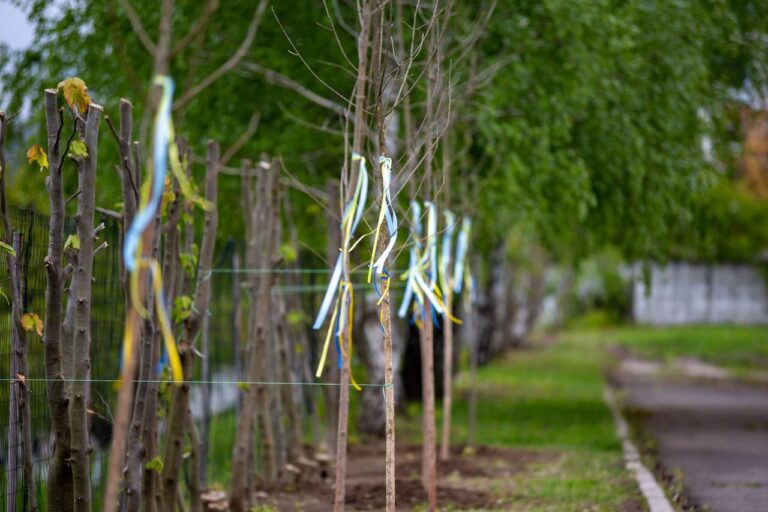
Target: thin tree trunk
[[278, 358], [194, 470], [13, 413], [260, 349], [474, 337], [134, 451], [243, 445], [237, 324], [59, 492], [429, 470], [294, 444], [378, 70], [82, 287], [206, 392], [363, 43], [445, 444], [13, 444], [21, 351], [180, 403], [334, 242], [255, 394]]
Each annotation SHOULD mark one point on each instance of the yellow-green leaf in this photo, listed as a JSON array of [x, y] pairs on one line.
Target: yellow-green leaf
[[31, 322], [36, 155], [7, 248], [288, 252], [182, 307], [77, 149], [295, 318], [75, 93], [155, 464], [72, 242]]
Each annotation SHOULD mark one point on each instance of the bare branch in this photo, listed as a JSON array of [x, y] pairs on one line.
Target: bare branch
[[112, 214], [200, 25], [233, 61], [232, 150], [138, 26], [273, 77]]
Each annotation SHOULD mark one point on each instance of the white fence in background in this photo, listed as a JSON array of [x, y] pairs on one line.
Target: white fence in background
[[687, 293]]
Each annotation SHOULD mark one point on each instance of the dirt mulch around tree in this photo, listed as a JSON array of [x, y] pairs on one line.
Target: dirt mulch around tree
[[479, 480]]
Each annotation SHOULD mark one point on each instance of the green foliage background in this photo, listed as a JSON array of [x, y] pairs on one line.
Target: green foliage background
[[589, 135]]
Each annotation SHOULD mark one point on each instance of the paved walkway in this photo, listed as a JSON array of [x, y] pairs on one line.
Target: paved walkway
[[715, 431]]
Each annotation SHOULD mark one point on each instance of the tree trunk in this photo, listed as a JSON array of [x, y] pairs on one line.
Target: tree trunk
[[59, 492], [294, 441], [260, 348], [254, 394], [474, 339], [13, 443], [445, 445], [13, 413], [20, 352], [135, 452], [334, 242], [81, 289], [386, 146], [194, 470], [180, 403]]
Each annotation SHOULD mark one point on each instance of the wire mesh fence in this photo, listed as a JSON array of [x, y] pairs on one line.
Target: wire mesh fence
[[222, 354], [107, 313], [213, 394]]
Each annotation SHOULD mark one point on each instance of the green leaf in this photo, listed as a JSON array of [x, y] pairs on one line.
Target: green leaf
[[77, 149], [155, 464], [72, 242], [36, 155], [189, 261], [31, 322], [75, 93], [288, 252], [295, 318], [182, 307], [7, 249]]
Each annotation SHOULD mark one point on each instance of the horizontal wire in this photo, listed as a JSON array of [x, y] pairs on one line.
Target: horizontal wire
[[161, 381], [283, 271]]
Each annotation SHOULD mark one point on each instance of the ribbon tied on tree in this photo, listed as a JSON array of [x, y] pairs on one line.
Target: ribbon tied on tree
[[151, 197], [343, 308]]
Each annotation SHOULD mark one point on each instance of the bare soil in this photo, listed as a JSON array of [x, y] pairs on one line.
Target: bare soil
[[471, 480]]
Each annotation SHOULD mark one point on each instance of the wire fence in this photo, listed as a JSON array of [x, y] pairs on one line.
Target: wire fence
[[211, 396], [107, 314]]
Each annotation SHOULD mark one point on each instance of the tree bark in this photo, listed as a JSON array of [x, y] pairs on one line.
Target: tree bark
[[255, 395], [81, 289], [359, 129], [378, 70], [13, 413], [194, 470], [180, 403], [20, 354], [334, 242], [59, 491]]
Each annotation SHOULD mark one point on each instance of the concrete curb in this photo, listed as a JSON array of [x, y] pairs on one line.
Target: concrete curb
[[649, 487]]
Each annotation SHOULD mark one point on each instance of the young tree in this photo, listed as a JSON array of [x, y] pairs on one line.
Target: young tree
[[20, 406]]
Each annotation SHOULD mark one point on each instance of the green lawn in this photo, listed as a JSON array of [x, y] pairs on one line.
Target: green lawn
[[741, 349], [549, 398]]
